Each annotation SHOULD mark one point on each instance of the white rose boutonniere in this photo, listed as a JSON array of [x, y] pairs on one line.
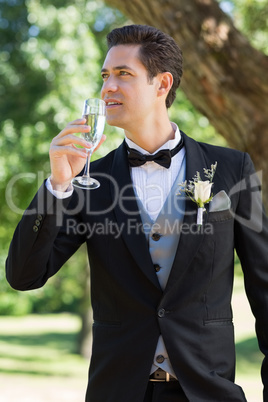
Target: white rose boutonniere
[[199, 191]]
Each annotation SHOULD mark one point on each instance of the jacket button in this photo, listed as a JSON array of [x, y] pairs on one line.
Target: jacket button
[[160, 359], [37, 222], [35, 228], [161, 312], [156, 236], [157, 267], [39, 217]]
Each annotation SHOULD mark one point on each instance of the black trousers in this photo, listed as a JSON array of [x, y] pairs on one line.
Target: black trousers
[[165, 392]]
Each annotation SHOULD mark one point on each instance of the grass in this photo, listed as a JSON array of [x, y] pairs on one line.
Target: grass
[[38, 362], [249, 358]]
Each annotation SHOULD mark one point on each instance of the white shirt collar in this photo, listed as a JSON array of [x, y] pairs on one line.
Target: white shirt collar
[[168, 145]]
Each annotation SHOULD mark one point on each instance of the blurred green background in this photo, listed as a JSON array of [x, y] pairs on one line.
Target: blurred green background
[[51, 53]]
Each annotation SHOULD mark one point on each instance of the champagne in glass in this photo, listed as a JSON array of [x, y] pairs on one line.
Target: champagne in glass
[[94, 113]]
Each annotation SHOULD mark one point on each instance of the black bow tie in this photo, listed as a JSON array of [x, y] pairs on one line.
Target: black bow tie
[[162, 157]]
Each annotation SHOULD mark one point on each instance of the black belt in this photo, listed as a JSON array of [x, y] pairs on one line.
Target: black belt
[[161, 376]]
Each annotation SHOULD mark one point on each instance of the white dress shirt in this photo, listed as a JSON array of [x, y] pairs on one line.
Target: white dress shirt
[[152, 182]]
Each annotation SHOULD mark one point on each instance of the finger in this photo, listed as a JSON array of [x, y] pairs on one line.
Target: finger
[[74, 129], [60, 151], [75, 126], [70, 139], [82, 120]]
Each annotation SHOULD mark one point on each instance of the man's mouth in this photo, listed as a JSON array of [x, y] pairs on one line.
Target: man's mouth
[[112, 103]]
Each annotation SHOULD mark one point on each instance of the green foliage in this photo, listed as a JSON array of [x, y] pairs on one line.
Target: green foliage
[[49, 62], [14, 304], [251, 17]]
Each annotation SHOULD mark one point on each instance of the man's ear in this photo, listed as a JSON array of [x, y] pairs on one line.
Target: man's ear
[[165, 83]]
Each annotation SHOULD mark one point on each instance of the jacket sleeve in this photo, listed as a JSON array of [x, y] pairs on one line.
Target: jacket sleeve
[[251, 242], [41, 244]]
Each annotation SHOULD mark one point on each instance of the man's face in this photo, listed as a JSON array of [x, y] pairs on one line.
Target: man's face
[[130, 97]]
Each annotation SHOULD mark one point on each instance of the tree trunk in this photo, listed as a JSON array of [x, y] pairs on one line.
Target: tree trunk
[[224, 77]]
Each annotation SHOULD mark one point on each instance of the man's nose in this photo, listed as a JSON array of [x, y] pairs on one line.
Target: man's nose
[[110, 85]]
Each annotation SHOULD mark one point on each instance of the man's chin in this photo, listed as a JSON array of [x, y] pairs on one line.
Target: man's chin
[[114, 122]]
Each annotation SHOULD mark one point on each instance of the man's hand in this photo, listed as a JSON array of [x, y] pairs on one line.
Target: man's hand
[[66, 160]]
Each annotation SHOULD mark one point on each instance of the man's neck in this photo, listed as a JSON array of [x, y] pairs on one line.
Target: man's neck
[[152, 137]]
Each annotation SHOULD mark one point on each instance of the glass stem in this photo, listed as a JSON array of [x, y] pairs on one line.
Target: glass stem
[[86, 171]]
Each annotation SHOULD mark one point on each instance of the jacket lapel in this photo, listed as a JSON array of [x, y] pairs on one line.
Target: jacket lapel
[[128, 214], [190, 237]]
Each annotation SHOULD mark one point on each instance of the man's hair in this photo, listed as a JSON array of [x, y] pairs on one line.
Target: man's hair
[[158, 53]]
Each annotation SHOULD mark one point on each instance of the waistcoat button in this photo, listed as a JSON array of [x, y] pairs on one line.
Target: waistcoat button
[[156, 236], [160, 358], [161, 313], [157, 267]]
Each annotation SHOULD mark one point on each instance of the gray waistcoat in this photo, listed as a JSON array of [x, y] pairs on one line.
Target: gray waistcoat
[[163, 234], [163, 237]]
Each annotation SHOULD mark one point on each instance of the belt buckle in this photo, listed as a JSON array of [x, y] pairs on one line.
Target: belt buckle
[[166, 379]]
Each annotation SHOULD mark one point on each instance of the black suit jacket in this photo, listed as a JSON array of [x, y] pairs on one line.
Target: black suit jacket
[[130, 310]]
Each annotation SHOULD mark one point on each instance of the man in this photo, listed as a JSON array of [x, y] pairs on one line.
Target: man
[[161, 284]]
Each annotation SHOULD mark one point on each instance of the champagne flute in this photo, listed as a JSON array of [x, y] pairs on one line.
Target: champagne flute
[[94, 113]]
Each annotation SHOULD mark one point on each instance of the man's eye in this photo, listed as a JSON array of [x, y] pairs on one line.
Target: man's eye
[[104, 76], [124, 73]]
